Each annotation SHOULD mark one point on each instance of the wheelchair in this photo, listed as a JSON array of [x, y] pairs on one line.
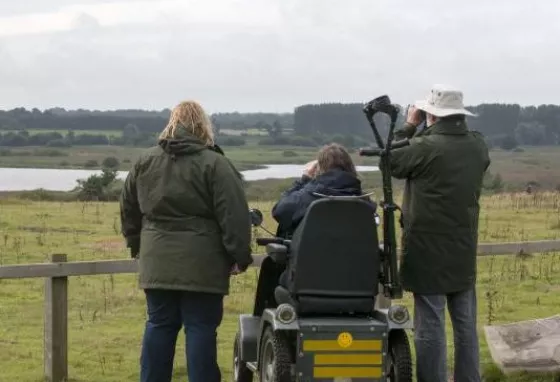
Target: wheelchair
[[321, 323]]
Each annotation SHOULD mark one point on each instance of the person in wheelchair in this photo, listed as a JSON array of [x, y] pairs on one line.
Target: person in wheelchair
[[315, 315], [333, 173]]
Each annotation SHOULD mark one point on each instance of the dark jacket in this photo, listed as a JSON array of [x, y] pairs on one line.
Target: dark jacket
[[293, 204], [443, 167], [184, 206]]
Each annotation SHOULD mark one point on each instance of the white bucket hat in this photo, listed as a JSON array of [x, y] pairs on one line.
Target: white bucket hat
[[444, 101]]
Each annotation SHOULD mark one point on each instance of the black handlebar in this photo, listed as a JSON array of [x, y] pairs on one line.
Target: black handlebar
[[370, 152], [378, 152]]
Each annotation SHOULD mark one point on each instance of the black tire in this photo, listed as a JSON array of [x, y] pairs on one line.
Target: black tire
[[240, 372], [275, 359], [399, 363]]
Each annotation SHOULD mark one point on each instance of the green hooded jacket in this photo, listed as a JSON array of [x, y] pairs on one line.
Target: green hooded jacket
[[443, 166], [184, 210]]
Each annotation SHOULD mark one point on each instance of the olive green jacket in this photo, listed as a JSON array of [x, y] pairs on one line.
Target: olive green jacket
[[184, 206], [443, 166]]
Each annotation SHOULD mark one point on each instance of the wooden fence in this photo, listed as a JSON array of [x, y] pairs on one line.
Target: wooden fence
[[56, 275]]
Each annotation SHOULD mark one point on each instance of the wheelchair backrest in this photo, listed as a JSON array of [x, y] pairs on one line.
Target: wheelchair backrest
[[335, 252]]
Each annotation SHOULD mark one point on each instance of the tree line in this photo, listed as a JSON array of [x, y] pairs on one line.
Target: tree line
[[130, 135], [145, 121], [506, 125]]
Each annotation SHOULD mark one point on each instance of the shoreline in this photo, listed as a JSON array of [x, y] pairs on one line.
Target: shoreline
[[46, 166], [42, 181], [255, 189]]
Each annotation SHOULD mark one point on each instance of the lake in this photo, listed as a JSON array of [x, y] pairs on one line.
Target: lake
[[23, 179]]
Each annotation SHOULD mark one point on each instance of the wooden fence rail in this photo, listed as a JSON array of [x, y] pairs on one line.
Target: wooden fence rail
[[56, 275]]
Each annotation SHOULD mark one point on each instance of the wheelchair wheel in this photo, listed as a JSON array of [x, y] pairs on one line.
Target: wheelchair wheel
[[399, 365], [240, 371], [275, 361]]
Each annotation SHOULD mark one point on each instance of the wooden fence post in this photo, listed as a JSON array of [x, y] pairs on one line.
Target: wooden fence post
[[56, 325]]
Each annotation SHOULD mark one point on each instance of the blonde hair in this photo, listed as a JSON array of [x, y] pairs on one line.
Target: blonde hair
[[191, 117], [334, 156]]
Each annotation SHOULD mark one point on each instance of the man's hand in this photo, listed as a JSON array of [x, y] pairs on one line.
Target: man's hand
[[310, 169], [414, 116], [235, 270]]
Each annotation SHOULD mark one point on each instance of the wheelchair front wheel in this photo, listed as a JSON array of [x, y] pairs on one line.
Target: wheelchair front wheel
[[275, 358], [399, 365]]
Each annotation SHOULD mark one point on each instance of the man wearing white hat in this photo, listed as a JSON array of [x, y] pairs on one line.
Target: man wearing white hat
[[443, 166]]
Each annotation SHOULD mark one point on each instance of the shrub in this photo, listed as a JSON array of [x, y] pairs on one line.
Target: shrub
[[98, 187], [497, 183], [111, 162], [508, 143], [493, 183]]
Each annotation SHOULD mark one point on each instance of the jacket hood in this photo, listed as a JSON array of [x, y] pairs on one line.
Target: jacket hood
[[337, 183], [181, 146]]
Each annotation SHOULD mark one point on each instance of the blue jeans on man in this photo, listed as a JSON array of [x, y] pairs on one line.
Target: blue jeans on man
[[430, 340], [201, 315]]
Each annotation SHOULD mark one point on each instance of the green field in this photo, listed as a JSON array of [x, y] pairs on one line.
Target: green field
[[244, 157], [107, 313], [72, 157]]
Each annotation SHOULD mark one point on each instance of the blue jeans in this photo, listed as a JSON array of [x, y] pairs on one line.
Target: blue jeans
[[201, 314], [430, 341]]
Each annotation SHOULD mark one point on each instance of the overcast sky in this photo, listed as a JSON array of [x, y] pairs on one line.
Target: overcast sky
[[272, 55]]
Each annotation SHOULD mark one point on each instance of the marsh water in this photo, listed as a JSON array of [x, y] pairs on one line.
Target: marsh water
[[23, 179]]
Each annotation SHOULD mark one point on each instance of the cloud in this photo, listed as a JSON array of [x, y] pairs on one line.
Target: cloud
[[108, 14], [274, 54]]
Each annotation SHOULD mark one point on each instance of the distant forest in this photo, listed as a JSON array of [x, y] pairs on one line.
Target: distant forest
[[502, 124], [506, 125]]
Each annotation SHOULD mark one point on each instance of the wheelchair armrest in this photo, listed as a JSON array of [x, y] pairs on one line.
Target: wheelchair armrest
[[278, 253]]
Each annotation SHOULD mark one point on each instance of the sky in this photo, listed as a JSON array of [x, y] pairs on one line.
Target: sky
[[273, 55]]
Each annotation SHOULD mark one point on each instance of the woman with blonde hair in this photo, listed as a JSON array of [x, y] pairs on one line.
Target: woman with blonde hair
[[185, 217]]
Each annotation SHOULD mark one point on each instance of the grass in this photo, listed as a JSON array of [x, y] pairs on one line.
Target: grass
[[533, 164], [107, 313], [244, 157], [73, 157]]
